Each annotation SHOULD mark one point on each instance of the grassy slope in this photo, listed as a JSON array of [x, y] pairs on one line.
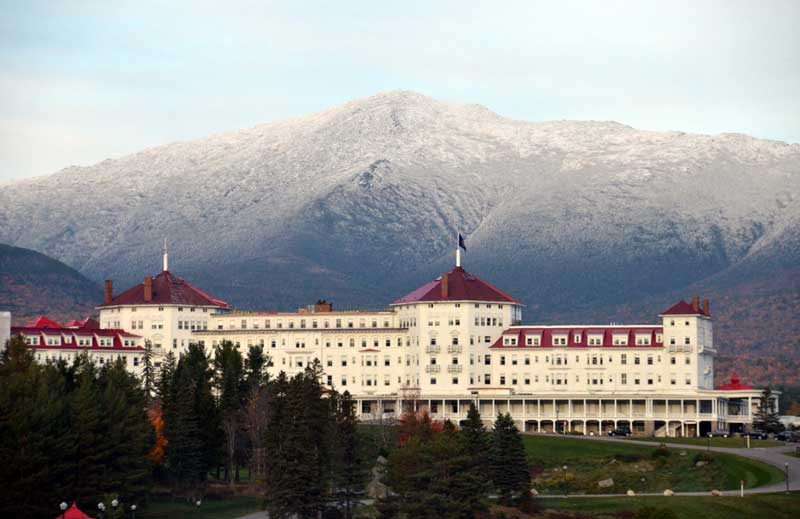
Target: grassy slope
[[715, 442], [590, 461], [774, 506]]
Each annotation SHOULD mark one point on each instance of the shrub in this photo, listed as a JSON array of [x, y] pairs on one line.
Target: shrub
[[703, 456], [661, 452], [626, 457]]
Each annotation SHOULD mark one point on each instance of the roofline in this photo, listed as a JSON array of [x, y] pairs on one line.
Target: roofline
[[576, 326], [693, 314], [257, 313], [457, 301], [101, 307]]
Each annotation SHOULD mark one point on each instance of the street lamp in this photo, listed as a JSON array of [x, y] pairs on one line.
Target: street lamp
[[786, 466], [133, 511], [114, 504], [102, 508], [63, 507]]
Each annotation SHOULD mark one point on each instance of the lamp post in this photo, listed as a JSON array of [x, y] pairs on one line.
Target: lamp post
[[102, 508], [114, 504], [63, 507], [708, 442], [786, 466], [133, 511]]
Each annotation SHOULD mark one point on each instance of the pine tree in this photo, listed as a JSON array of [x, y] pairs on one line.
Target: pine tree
[[255, 366], [166, 376], [229, 384], [184, 461], [477, 444], [148, 372], [196, 362], [349, 470], [508, 465], [128, 431], [766, 417], [281, 482], [91, 450]]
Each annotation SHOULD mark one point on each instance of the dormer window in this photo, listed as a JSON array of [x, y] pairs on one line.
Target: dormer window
[[576, 337]]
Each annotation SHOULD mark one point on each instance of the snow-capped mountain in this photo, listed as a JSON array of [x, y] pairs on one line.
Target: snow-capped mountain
[[362, 202]]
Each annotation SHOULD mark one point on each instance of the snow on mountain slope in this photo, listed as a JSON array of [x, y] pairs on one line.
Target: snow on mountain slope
[[361, 202]]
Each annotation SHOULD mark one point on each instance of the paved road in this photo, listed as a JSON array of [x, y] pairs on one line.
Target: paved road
[[771, 455]]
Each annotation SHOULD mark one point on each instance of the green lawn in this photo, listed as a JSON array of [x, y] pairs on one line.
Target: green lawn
[[794, 453], [715, 442], [634, 467], [210, 509], [774, 506]]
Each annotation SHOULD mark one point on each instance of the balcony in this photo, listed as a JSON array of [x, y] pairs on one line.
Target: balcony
[[454, 368], [432, 368], [433, 348], [454, 348]]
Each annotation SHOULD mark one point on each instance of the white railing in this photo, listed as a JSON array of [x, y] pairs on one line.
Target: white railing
[[454, 368], [454, 348], [432, 348], [433, 368]]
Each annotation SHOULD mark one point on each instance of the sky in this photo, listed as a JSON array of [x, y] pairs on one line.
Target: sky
[[81, 82]]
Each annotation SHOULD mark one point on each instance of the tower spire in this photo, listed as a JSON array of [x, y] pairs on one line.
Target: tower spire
[[166, 256]]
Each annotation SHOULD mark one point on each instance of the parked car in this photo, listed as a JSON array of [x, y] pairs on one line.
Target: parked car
[[721, 433], [787, 436], [620, 431], [757, 435]]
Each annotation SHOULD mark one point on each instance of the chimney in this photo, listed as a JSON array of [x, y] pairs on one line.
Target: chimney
[[706, 307], [444, 286], [148, 289], [323, 306], [109, 292], [696, 304]]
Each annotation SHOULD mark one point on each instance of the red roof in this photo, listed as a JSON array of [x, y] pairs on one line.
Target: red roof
[[73, 512], [545, 336], [684, 308], [461, 286], [45, 327], [734, 385], [43, 322], [168, 289]]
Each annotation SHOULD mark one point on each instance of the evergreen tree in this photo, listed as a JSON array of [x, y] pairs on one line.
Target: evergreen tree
[[348, 468], [196, 362], [166, 376], [255, 366], [282, 485], [91, 450], [148, 372], [184, 461], [128, 431], [476, 440], [508, 465], [229, 384], [766, 417]]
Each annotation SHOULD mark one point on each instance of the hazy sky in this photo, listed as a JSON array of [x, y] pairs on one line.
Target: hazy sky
[[85, 81]]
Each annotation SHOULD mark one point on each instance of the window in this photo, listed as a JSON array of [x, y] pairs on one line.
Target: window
[[624, 358], [636, 360], [502, 380], [487, 359], [433, 381], [502, 360], [686, 341], [649, 360], [688, 360], [455, 380], [487, 379], [688, 381], [672, 360]]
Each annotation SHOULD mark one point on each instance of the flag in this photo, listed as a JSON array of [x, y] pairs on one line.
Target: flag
[[461, 242]]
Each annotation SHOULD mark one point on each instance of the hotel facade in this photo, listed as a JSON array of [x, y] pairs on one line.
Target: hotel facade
[[458, 340]]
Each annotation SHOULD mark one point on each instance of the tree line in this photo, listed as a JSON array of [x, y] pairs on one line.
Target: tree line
[[441, 471], [70, 432]]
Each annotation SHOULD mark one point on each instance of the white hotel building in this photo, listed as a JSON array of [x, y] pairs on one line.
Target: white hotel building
[[458, 339]]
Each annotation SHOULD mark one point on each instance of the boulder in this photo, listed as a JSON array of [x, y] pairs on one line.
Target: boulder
[[716, 493], [700, 463], [534, 492], [377, 490], [669, 492], [631, 492], [605, 483], [381, 460], [683, 453]]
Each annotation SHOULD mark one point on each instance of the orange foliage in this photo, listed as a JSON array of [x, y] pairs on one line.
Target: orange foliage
[[157, 420]]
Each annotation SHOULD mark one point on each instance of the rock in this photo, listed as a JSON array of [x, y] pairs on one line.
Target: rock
[[377, 490], [631, 492], [381, 460], [605, 483], [612, 461], [683, 453], [669, 492], [700, 463], [534, 492], [716, 493]]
